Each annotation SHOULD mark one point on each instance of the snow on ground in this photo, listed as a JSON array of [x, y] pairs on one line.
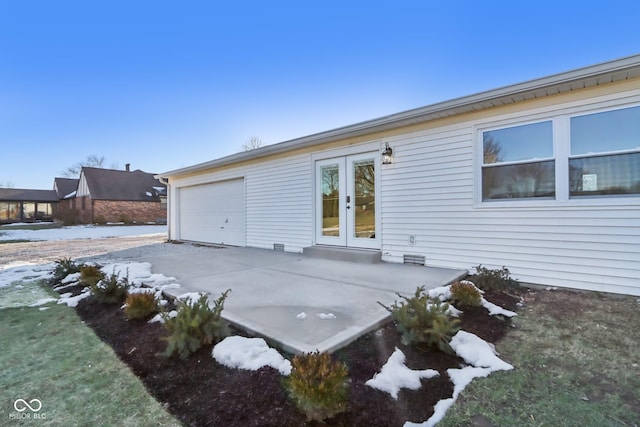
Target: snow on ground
[[250, 354], [80, 232], [395, 375], [18, 272], [482, 357]]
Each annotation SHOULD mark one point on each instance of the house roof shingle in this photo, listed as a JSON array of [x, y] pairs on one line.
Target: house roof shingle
[[25, 195], [65, 186], [112, 184]]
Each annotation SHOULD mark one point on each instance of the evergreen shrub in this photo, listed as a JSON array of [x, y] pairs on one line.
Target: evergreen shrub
[[195, 325], [318, 385], [422, 321]]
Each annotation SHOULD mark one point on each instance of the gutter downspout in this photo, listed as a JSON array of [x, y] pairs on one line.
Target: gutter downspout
[[165, 181]]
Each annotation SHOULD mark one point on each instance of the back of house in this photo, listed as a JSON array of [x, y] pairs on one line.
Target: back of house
[[542, 177]]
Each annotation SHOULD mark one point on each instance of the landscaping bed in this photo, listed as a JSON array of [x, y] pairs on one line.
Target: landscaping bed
[[200, 391]]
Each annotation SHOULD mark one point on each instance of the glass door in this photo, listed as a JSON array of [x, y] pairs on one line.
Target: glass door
[[346, 201]]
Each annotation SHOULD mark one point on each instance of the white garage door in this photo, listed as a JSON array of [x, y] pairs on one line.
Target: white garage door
[[213, 213]]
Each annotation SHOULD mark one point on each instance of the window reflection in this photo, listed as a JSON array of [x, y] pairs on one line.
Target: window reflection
[[519, 181], [526, 142], [605, 132], [331, 200], [365, 199], [605, 175]]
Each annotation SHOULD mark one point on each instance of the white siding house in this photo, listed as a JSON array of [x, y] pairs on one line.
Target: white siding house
[[542, 177]]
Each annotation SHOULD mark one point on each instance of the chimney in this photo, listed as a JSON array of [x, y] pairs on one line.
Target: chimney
[[127, 167]]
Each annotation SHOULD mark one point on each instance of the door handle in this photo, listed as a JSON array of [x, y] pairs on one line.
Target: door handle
[[348, 201]]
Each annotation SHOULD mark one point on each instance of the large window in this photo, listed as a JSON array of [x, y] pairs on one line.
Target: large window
[[518, 162], [10, 211], [595, 155], [605, 153]]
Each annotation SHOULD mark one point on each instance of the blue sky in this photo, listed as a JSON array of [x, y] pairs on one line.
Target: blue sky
[[163, 85]]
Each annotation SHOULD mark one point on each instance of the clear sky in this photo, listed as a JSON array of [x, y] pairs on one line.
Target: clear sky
[[163, 85]]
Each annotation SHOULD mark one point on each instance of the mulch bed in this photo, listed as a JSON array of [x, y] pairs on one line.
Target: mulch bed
[[201, 392]]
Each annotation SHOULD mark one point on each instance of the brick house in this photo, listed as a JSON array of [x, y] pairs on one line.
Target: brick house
[[109, 195]]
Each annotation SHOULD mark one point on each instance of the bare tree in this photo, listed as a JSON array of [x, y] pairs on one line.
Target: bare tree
[[91, 161], [491, 150], [6, 184], [252, 144]]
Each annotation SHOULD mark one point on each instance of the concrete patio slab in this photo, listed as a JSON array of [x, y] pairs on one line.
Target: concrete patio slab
[[301, 303]]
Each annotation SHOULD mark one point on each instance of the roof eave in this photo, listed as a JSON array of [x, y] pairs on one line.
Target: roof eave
[[608, 72]]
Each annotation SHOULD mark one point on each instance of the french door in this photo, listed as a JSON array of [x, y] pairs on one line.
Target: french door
[[346, 201]]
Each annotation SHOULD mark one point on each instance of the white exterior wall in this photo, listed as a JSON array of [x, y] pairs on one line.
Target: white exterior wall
[[278, 196], [431, 191], [83, 187]]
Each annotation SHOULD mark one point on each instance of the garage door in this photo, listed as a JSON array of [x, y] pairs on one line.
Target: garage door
[[213, 213]]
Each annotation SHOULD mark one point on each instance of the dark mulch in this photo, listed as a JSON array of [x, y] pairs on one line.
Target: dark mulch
[[201, 392]]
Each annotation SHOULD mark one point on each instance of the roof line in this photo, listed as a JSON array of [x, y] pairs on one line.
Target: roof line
[[447, 108]]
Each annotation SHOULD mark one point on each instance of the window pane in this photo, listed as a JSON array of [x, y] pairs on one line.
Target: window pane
[[364, 175], [526, 142], [330, 200], [519, 181], [607, 131], [29, 210], [615, 174], [4, 210]]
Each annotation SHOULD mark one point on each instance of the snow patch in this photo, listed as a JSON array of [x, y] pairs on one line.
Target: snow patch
[[72, 301], [395, 375], [326, 316], [495, 310], [42, 301], [82, 232], [249, 354], [158, 317], [301, 316], [477, 352]]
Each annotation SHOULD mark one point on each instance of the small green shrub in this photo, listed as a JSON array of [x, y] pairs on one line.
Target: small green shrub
[[318, 386], [63, 267], [493, 279], [124, 218], [424, 322], [195, 325], [111, 290], [90, 275], [100, 219], [466, 294], [141, 305]]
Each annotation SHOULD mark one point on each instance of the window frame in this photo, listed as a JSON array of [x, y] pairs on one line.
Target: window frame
[[561, 131]]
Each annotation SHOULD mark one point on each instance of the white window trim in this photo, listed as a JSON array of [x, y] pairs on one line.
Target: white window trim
[[561, 122]]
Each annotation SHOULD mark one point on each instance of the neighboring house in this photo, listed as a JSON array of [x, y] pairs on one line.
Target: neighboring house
[[20, 205], [542, 177], [109, 195], [65, 209]]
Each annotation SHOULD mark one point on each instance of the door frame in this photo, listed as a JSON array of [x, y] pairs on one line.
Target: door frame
[[345, 159]]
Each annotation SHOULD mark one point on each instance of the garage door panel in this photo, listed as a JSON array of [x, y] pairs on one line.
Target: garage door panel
[[213, 213]]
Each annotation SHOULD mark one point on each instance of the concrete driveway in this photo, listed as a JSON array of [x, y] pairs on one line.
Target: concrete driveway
[[301, 303]]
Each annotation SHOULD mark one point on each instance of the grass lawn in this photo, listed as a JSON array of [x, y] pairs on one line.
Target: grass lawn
[[51, 356], [576, 364]]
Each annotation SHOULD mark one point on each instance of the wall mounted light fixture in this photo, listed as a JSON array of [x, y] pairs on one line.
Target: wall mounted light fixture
[[387, 154]]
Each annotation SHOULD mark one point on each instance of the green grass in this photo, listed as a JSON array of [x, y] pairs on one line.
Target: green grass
[[51, 356], [577, 364]]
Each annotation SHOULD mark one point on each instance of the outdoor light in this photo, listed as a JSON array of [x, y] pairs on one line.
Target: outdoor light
[[386, 154]]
